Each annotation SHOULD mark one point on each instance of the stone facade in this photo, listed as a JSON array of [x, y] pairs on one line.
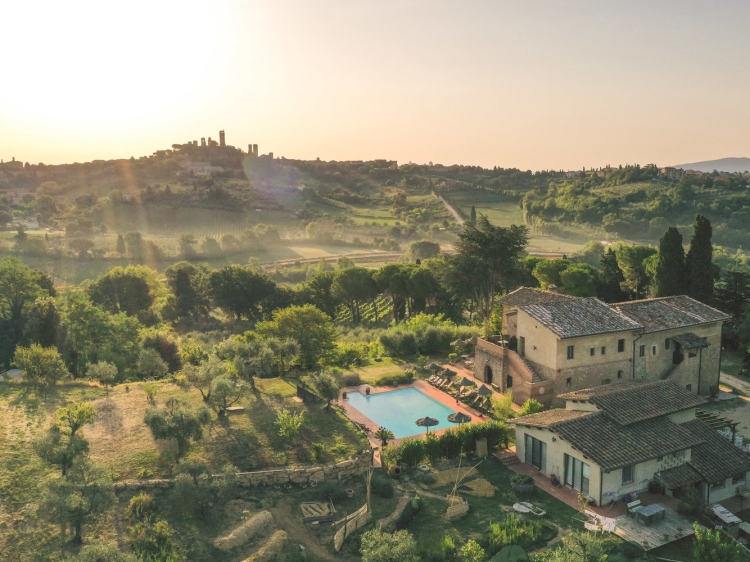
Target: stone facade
[[303, 476]]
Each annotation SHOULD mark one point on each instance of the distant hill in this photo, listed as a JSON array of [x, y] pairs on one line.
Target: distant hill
[[721, 165]]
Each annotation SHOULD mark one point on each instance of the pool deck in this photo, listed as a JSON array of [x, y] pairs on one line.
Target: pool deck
[[371, 427]]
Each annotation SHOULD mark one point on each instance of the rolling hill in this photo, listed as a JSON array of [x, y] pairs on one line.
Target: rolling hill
[[722, 165]]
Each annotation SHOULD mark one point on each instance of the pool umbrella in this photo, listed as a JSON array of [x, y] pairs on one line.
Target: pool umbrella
[[484, 391], [427, 422], [433, 366], [466, 381], [459, 418], [449, 373]]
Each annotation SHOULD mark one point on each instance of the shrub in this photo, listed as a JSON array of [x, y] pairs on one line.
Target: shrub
[[519, 479], [531, 406], [318, 451], [350, 379], [410, 512], [381, 486], [692, 503], [348, 352], [398, 342], [512, 530], [394, 380], [432, 449], [411, 451]]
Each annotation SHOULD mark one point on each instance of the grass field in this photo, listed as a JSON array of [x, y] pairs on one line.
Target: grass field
[[502, 212], [731, 362]]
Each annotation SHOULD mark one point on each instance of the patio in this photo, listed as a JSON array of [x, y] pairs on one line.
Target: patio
[[673, 527], [463, 371]]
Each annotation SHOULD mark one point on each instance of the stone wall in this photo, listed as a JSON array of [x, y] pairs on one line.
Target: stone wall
[[339, 472]]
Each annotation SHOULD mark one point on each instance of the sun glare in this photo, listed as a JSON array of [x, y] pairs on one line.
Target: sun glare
[[92, 63]]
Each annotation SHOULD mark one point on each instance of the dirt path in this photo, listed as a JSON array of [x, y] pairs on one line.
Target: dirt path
[[451, 210], [736, 382]]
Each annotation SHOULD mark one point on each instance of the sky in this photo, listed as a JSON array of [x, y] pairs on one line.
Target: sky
[[527, 84]]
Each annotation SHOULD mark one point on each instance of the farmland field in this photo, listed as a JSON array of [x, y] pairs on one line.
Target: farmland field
[[504, 212]]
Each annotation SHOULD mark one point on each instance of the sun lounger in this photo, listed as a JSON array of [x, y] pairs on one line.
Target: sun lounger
[[528, 507], [433, 379]]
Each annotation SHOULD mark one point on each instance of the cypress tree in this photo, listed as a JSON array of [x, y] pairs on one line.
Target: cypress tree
[[610, 277], [473, 215], [670, 270], [120, 244], [699, 261]]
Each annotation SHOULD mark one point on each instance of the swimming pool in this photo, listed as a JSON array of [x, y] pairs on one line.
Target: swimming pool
[[398, 410]]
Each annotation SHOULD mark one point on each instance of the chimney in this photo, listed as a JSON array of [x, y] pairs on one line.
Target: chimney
[[552, 288]]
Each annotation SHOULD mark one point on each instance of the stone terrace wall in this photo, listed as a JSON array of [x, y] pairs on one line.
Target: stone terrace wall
[[316, 474]]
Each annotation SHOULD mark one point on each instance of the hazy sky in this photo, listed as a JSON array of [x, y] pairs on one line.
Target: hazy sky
[[528, 84]]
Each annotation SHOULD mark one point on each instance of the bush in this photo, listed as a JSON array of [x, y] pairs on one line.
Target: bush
[[411, 451], [381, 486], [410, 512], [398, 342], [519, 479], [346, 353], [350, 379], [318, 451], [692, 503], [432, 449], [394, 380], [512, 530]]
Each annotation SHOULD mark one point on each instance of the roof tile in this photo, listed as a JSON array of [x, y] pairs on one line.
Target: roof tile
[[670, 312]]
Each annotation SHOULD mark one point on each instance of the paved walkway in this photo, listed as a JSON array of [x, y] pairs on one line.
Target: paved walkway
[[570, 496], [468, 373], [736, 382]]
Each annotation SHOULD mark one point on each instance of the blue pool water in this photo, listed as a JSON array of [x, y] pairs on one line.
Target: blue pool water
[[398, 410]]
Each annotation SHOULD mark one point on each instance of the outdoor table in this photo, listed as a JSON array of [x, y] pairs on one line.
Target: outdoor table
[[650, 514]]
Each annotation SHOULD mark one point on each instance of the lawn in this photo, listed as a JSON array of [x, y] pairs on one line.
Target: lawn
[[731, 362]]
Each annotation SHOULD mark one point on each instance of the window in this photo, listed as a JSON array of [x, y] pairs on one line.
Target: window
[[568, 381], [718, 486], [689, 387], [577, 474], [508, 381], [604, 349], [619, 374], [571, 351], [666, 343], [535, 452], [692, 354], [653, 350], [592, 352], [522, 346], [620, 345], [627, 474], [642, 351]]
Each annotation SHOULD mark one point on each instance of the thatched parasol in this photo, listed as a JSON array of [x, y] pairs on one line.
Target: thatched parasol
[[484, 391], [433, 366], [466, 381], [427, 422], [448, 373], [459, 418]]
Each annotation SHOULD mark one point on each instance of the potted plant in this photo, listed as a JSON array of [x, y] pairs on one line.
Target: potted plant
[[367, 390], [344, 395], [522, 483]]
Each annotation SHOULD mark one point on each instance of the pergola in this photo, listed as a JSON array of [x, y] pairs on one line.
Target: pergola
[[716, 422]]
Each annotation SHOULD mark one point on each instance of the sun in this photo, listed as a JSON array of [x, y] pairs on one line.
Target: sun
[[93, 64]]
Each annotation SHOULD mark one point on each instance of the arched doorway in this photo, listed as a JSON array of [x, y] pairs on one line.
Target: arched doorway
[[488, 374]]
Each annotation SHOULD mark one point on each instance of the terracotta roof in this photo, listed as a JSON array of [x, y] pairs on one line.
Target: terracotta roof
[[679, 476], [527, 295], [580, 317], [646, 401], [670, 312], [544, 419], [611, 445], [716, 459], [585, 394], [689, 340]]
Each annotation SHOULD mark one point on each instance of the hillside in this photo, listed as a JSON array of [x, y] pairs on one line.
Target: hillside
[[730, 165]]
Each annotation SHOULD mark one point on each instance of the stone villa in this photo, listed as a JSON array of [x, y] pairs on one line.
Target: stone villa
[[613, 440], [554, 344]]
